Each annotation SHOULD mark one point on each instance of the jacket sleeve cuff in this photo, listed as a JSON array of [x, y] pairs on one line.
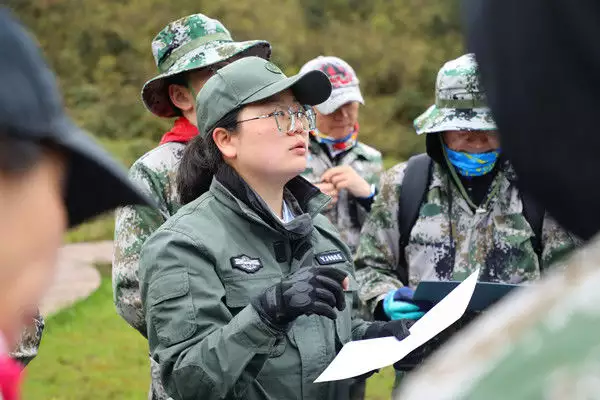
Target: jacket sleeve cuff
[[359, 330], [372, 303], [367, 202], [252, 331]]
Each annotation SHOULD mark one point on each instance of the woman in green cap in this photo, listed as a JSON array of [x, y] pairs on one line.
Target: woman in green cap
[[248, 290]]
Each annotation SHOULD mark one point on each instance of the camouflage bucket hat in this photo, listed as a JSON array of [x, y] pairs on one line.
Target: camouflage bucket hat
[[192, 42], [460, 102]]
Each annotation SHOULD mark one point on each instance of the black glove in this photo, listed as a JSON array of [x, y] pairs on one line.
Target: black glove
[[398, 328], [315, 290]]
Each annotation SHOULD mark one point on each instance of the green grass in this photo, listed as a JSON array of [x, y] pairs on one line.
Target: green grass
[[89, 352], [379, 386]]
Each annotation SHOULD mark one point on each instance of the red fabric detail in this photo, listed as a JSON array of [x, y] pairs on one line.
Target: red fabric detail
[[11, 373], [182, 132]]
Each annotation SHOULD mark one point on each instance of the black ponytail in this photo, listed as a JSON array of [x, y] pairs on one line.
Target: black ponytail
[[201, 159]]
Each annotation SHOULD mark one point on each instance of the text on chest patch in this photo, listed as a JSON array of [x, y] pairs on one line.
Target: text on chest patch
[[246, 264], [330, 257]]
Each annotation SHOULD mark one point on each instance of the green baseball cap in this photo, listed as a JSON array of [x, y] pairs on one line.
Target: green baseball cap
[[252, 79]]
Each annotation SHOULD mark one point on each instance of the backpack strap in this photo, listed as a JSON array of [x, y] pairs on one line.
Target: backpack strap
[[534, 214], [412, 194]]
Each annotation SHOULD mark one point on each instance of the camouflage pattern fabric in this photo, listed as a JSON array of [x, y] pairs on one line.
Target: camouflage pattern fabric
[[497, 241], [155, 174], [29, 343], [460, 102], [541, 342], [192, 42], [347, 215]]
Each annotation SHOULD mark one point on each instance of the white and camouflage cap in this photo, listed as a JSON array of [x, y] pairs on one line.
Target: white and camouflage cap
[[192, 42], [343, 80], [460, 102]]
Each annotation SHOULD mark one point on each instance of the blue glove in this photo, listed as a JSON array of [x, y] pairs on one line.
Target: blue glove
[[398, 304]]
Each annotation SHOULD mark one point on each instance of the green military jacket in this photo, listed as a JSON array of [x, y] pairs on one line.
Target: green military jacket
[[347, 214], [201, 269], [497, 241]]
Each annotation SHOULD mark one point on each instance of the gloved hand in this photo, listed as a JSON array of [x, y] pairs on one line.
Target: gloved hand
[[398, 304], [315, 290], [399, 329]]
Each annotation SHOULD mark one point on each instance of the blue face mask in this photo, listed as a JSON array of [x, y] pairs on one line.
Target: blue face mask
[[468, 164]]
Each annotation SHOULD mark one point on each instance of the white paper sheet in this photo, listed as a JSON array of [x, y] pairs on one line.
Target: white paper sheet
[[361, 356]]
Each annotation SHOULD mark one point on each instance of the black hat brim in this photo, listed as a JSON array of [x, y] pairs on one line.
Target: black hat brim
[[96, 183]]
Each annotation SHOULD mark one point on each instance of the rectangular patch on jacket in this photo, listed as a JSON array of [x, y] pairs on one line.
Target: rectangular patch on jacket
[[330, 257], [247, 264]]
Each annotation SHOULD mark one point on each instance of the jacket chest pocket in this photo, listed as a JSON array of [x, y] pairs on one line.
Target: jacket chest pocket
[[172, 308], [429, 251], [511, 257], [240, 290]]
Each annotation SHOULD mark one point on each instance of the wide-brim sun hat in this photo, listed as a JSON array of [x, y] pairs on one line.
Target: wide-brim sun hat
[[460, 102], [191, 43]]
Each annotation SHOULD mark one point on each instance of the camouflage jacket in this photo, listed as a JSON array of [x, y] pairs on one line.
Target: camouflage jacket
[[347, 215], [540, 342], [155, 172], [496, 241]]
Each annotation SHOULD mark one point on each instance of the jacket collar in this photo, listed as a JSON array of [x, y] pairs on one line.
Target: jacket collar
[[305, 199]]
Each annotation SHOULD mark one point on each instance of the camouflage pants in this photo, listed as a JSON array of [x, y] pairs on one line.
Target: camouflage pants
[[157, 391]]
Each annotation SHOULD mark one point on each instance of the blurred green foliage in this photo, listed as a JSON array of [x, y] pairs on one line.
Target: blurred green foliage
[[101, 53]]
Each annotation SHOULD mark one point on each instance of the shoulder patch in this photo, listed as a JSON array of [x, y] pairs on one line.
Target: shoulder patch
[[330, 257], [247, 264]]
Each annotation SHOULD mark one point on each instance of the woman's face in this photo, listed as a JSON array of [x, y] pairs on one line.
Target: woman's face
[[471, 141], [33, 218], [261, 150]]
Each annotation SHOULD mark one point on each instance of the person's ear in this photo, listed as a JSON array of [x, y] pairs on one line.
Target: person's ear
[[226, 142], [181, 97]]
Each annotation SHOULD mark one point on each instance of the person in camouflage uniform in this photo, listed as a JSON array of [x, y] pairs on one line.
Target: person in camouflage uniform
[[340, 165], [472, 216], [540, 342], [186, 52]]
